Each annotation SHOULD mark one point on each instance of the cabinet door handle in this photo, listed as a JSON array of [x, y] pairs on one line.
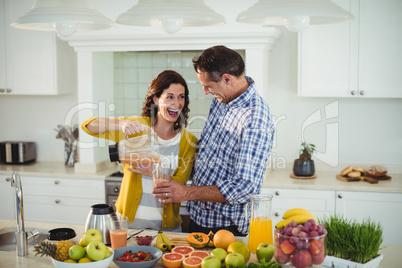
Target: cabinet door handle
[[2, 90], [8, 179], [353, 92], [340, 196], [276, 214], [57, 201], [8, 90], [362, 92], [277, 193], [116, 189], [56, 182]]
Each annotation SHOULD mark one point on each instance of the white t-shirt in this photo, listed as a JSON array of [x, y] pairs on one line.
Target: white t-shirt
[[149, 212]]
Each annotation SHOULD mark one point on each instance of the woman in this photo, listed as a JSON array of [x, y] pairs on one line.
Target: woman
[[165, 111]]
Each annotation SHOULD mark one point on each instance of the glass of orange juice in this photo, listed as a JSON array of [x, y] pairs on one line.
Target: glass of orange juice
[[118, 231]]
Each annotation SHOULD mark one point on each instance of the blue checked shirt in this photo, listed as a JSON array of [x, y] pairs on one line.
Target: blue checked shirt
[[233, 153]]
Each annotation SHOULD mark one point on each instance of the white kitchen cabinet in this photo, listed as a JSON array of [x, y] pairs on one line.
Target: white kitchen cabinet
[[63, 200], [33, 62], [7, 199], [357, 59], [318, 202], [385, 208]]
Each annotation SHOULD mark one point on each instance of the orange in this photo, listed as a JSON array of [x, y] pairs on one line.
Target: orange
[[223, 238], [185, 250], [172, 260], [192, 262], [201, 254]]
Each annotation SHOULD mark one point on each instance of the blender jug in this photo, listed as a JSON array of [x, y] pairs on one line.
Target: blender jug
[[139, 150], [260, 230]]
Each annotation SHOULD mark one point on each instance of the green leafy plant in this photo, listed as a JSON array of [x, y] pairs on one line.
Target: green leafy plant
[[349, 239], [306, 151]]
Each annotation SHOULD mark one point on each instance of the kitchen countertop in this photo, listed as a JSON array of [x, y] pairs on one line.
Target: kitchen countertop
[[53, 169], [392, 254], [277, 178], [326, 180]]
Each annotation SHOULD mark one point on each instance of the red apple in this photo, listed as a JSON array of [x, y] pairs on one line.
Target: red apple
[[287, 247], [316, 247], [281, 257], [301, 258], [318, 258]]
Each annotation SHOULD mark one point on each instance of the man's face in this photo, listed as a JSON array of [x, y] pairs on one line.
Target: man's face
[[218, 89]]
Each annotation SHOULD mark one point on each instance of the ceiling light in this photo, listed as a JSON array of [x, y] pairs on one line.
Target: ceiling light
[[295, 15], [64, 17], [171, 15]]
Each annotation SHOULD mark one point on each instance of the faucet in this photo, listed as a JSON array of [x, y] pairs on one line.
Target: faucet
[[21, 237]]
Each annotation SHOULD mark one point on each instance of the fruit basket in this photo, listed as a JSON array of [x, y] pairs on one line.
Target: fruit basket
[[300, 245]]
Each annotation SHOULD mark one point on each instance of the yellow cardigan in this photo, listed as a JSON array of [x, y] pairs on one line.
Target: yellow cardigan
[[131, 186]]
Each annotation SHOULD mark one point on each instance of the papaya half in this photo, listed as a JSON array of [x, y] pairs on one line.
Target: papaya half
[[198, 240], [211, 240]]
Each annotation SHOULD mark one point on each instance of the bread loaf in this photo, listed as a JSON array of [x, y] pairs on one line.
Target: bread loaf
[[376, 171], [354, 174], [359, 169], [346, 171]]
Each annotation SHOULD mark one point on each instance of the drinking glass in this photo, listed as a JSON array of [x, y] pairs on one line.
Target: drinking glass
[[161, 172], [118, 231]]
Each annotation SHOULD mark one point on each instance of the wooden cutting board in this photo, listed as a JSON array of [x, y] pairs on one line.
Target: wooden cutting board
[[372, 180]]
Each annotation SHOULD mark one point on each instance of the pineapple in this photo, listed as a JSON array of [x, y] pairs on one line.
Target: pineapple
[[57, 251]]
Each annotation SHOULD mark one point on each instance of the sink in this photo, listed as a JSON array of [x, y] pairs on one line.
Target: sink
[[8, 243]]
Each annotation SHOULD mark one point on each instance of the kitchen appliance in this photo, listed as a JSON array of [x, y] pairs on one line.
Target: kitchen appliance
[[98, 218], [17, 152]]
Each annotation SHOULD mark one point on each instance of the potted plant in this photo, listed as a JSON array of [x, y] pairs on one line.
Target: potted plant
[[351, 243], [304, 166]]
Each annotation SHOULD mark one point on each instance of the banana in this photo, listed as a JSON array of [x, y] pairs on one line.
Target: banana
[[298, 211], [299, 219], [159, 243], [167, 241]]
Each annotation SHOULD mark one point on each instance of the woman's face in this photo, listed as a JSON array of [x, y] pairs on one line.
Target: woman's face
[[170, 103]]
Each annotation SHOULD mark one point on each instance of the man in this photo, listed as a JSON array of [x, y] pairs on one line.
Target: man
[[233, 149]]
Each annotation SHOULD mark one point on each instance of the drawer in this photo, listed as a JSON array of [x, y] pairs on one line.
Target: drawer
[[63, 187], [58, 209]]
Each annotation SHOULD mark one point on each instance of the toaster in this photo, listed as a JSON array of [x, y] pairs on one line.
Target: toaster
[[17, 152]]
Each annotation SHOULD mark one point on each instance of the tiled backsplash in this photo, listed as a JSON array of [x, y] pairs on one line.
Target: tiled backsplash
[[134, 71]]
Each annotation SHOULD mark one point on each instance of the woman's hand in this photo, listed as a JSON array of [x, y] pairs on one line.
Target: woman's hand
[[132, 127], [145, 170]]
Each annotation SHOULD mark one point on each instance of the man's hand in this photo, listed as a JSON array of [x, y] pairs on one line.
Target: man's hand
[[170, 192]]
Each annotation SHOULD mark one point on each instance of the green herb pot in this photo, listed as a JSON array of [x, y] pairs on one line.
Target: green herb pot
[[303, 168]]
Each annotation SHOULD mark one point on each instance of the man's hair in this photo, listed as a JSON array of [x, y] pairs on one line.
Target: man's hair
[[219, 60]]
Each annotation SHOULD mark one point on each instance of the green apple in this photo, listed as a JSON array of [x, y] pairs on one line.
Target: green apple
[[221, 254], [76, 252], [265, 250], [235, 260], [96, 250], [92, 235], [210, 262]]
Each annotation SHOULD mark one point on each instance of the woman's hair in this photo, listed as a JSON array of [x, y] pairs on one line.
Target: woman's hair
[[219, 60], [156, 88]]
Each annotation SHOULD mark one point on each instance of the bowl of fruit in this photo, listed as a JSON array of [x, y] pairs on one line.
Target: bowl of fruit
[[136, 256], [144, 240], [300, 245], [89, 252]]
